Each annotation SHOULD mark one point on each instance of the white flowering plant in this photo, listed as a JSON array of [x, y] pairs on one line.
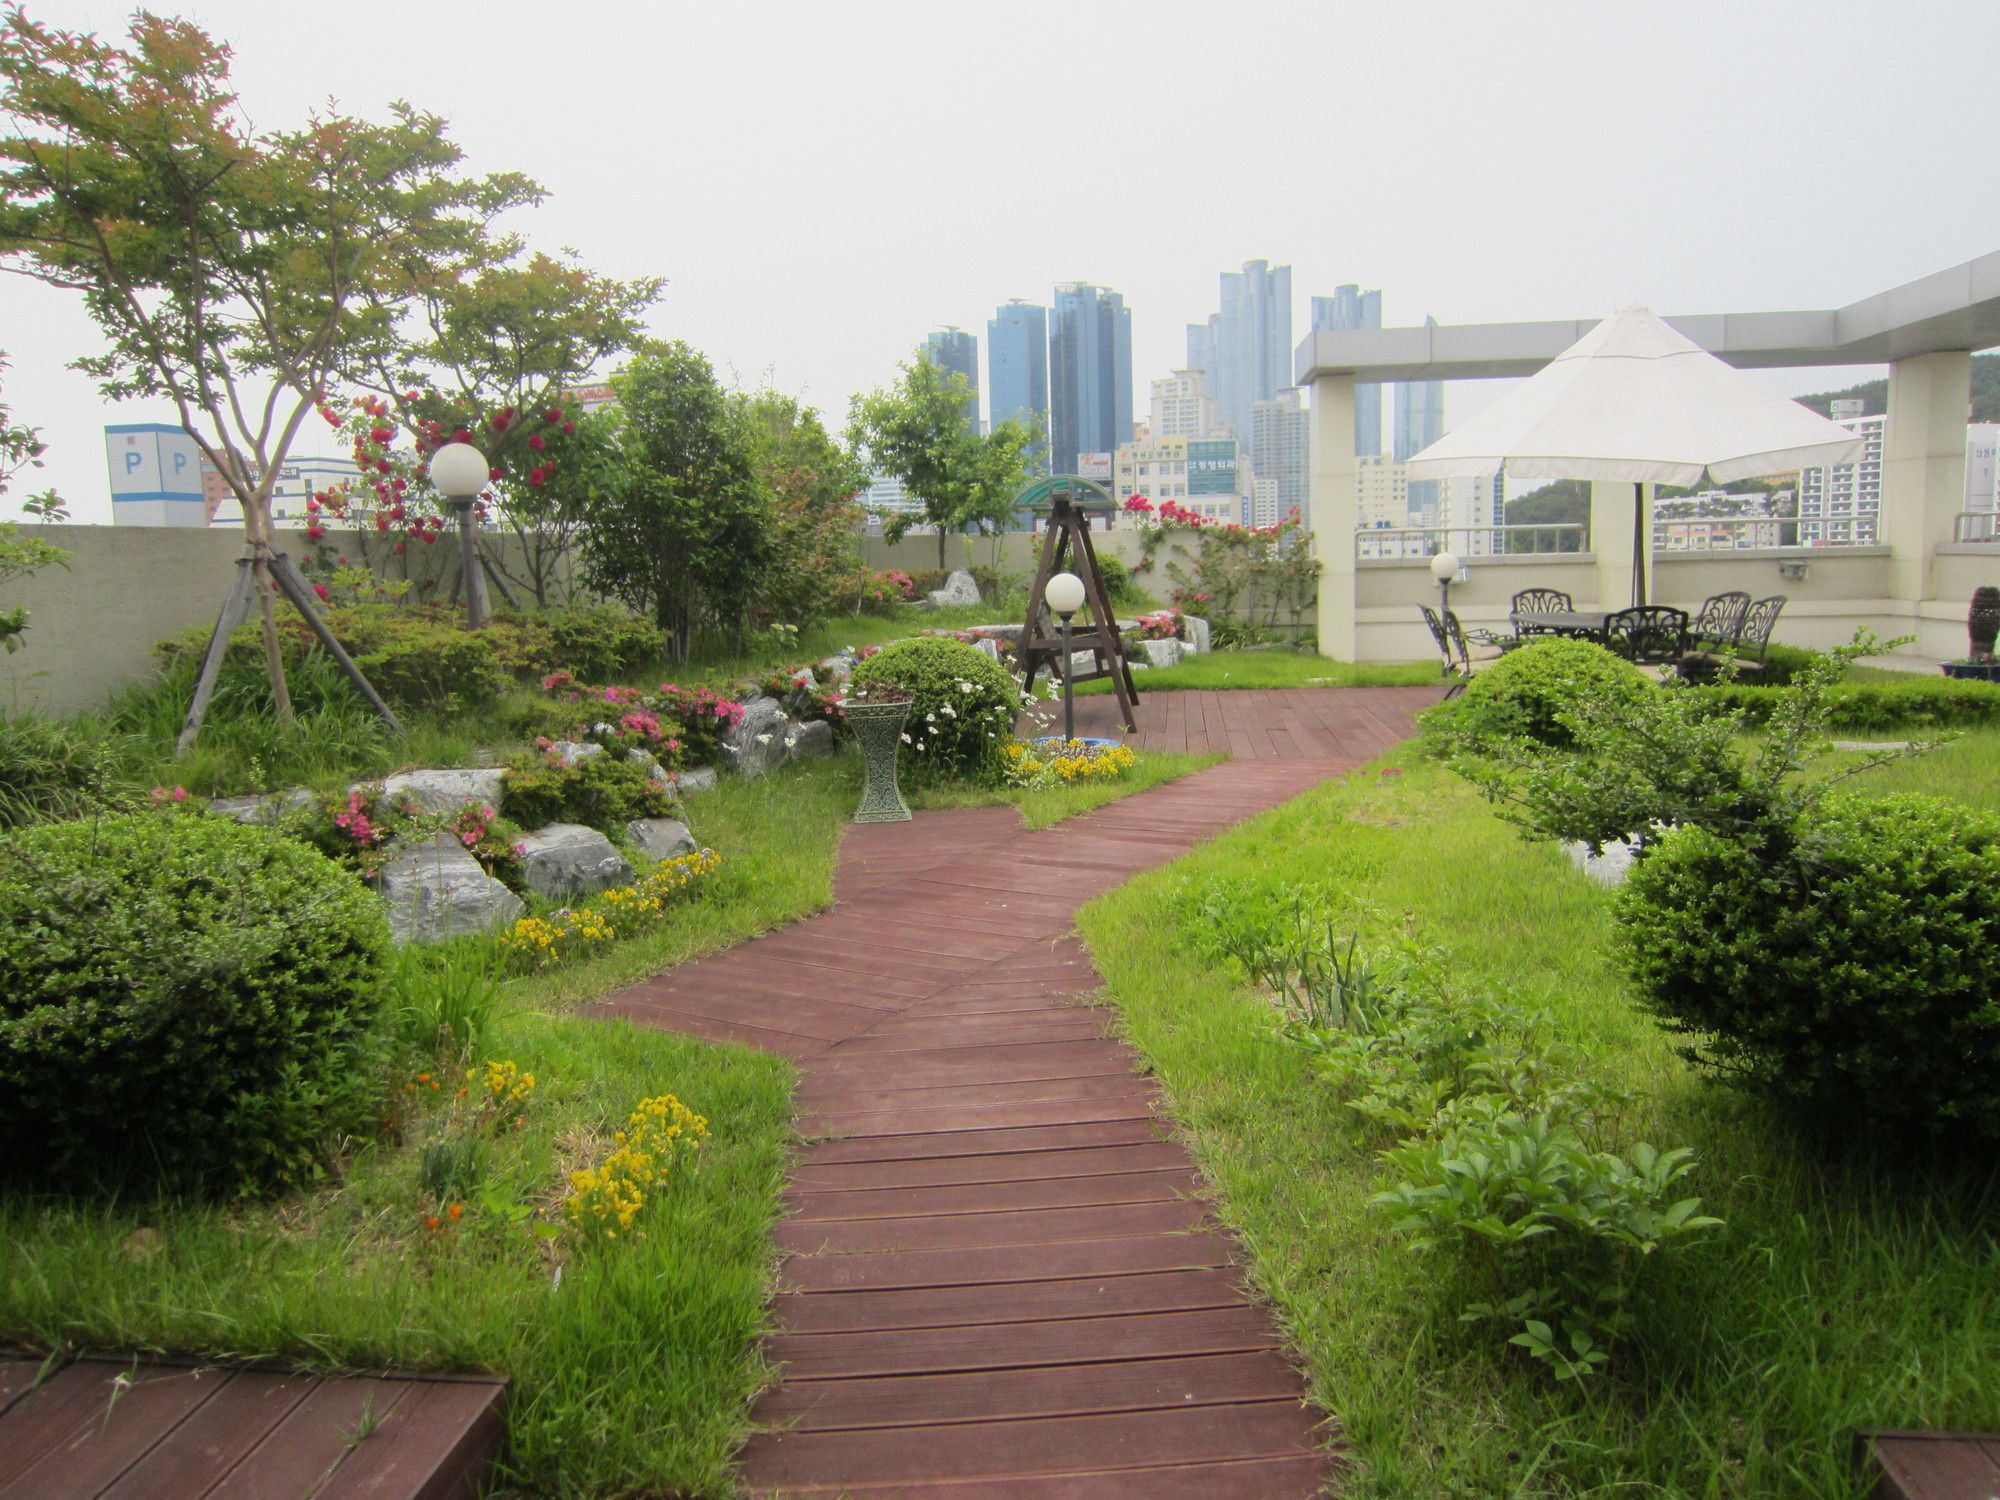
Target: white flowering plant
[[962, 707]]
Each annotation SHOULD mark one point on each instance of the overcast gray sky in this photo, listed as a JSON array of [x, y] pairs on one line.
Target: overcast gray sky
[[821, 184]]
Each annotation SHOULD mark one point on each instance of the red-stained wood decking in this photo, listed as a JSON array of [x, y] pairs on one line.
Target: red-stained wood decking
[[1932, 1465], [118, 1429], [1002, 1277]]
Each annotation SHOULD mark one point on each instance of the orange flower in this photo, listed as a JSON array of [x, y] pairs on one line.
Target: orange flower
[[457, 1209], [431, 1222]]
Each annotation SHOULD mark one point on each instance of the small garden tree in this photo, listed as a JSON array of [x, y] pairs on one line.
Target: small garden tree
[[814, 485], [917, 431], [22, 448], [234, 274], [677, 526]]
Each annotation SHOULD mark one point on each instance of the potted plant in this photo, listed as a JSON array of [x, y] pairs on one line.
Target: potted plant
[[876, 711], [1982, 624]]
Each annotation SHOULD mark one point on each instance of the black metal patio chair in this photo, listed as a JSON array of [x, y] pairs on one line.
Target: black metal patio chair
[[1537, 602], [1648, 635]]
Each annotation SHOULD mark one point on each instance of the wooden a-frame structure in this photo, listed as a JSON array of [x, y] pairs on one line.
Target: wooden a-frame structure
[[1066, 545]]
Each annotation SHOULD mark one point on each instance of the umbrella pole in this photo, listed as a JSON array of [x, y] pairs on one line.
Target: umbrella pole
[[1638, 543]]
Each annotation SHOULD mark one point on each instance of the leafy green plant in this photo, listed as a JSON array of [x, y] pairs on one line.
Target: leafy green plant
[[184, 1001], [1908, 704], [442, 998], [604, 791], [598, 644], [1851, 971], [52, 769], [962, 710]]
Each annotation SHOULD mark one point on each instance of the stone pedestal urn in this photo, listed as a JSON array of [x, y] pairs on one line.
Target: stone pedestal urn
[[879, 728]]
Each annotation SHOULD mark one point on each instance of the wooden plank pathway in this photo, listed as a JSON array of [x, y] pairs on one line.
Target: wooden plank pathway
[[1932, 1465], [118, 1429], [1002, 1277]]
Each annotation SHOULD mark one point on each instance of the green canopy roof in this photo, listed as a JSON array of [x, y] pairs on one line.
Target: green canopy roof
[[1083, 494]]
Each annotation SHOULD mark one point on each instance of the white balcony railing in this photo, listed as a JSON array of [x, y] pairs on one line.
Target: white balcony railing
[[1976, 526], [1379, 542]]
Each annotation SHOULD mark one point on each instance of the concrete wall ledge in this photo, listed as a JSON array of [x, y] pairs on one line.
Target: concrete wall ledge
[[1484, 560]]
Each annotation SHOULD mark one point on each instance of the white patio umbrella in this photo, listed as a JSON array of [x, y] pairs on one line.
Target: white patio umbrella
[[1632, 399]]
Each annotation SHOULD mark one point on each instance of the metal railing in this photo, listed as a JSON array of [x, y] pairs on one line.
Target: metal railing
[[1723, 533], [1391, 542], [1976, 526]]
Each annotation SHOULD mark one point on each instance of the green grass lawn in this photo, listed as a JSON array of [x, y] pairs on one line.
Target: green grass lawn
[[1276, 668], [1963, 769], [1838, 1297]]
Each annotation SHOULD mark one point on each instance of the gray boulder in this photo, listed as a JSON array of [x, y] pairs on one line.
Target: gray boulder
[[837, 668], [1197, 634], [445, 791], [660, 773], [572, 751], [1609, 868], [660, 838], [988, 645], [565, 861], [1011, 634], [261, 808], [436, 890], [1161, 653], [699, 779], [958, 589], [812, 739], [762, 741]]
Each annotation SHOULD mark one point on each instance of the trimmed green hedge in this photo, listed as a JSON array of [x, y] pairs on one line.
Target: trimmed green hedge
[[185, 1003], [962, 709], [1530, 694], [1916, 704]]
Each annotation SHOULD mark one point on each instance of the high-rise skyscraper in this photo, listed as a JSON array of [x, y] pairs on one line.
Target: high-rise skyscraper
[[1419, 423], [1281, 429], [956, 350], [1090, 374], [1246, 352], [1017, 369], [1350, 307]]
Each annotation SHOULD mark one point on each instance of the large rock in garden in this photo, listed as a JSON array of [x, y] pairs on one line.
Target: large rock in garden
[[445, 791], [437, 890], [261, 808], [1197, 634], [572, 751], [565, 861], [812, 739], [987, 645], [839, 667], [762, 741], [958, 589], [660, 838], [1165, 653], [696, 779], [660, 773]]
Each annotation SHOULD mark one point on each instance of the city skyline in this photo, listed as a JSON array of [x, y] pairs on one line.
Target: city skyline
[[797, 259]]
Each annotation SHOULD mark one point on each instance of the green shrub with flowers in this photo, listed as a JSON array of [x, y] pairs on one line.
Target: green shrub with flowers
[[962, 709], [691, 722], [604, 791], [185, 1003], [659, 1141], [536, 942], [360, 828]]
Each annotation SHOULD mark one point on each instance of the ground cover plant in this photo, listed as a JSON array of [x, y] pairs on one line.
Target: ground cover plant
[[1844, 1291], [1274, 668]]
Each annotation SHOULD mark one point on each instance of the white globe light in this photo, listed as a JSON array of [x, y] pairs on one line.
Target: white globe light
[[1444, 567], [1064, 593], [459, 470]]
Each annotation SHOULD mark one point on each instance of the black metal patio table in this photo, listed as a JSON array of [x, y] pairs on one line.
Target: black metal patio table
[[1588, 623]]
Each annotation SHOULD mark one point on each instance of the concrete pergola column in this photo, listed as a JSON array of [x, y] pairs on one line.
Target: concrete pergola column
[[1335, 498], [1923, 464]]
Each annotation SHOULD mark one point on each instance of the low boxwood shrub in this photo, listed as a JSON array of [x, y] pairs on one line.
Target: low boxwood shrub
[[604, 791], [1532, 693], [963, 705], [597, 645], [1857, 975], [185, 1003], [1919, 703], [52, 769]]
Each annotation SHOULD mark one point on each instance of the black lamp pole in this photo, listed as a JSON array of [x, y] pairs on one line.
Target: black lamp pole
[[1069, 701]]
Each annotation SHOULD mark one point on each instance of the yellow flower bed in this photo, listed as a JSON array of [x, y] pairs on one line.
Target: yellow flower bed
[[606, 1200], [1065, 764], [508, 1089], [624, 912]]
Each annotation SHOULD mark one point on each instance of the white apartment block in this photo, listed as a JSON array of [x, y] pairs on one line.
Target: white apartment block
[[1181, 407], [1204, 475], [1841, 505], [1385, 492], [1279, 437], [1466, 507]]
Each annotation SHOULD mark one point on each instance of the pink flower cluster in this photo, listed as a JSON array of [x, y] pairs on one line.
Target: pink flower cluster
[[356, 822], [1164, 625], [471, 824], [642, 724], [162, 797]]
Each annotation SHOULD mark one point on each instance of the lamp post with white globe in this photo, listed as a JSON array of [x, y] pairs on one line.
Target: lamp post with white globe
[[1064, 594], [460, 472], [1444, 568]]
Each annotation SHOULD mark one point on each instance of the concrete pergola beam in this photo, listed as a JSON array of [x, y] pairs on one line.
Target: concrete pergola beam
[[1954, 310]]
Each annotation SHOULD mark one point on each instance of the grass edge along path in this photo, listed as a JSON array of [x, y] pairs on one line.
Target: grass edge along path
[[1837, 1298]]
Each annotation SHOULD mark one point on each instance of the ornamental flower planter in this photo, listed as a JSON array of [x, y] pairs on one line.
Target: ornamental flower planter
[[879, 728], [1978, 671]]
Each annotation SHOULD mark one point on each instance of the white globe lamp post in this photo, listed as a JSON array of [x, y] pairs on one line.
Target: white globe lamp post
[[459, 471], [1444, 568], [1064, 594]]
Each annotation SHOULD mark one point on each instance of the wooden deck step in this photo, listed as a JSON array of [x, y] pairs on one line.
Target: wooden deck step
[[124, 1429]]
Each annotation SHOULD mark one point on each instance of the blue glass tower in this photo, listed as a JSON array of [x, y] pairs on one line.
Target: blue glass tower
[[1350, 307], [1017, 369], [1090, 374], [958, 351]]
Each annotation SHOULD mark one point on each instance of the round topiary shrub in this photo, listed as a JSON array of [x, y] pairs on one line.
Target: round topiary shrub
[[962, 710], [1857, 976], [1530, 693], [185, 1003]]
